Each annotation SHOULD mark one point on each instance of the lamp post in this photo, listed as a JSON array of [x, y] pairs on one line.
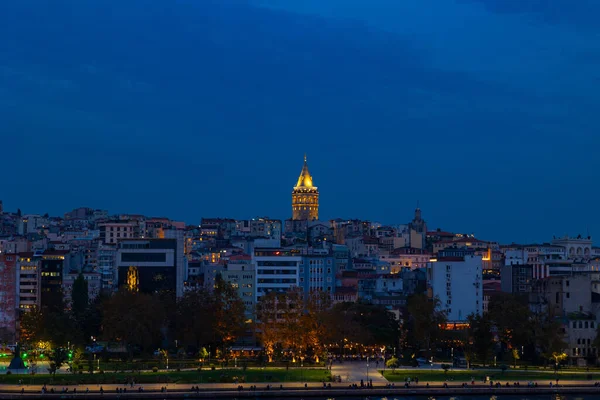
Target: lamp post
[[367, 369], [209, 356], [522, 352]]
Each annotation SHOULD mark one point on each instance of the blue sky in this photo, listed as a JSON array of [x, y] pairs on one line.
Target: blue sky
[[484, 111]]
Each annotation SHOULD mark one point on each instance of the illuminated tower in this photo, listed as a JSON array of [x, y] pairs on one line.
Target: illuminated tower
[[305, 197]]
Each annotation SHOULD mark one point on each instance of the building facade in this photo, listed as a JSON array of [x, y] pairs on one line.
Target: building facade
[[277, 270], [28, 281], [455, 277], [148, 265], [52, 272], [240, 273], [8, 301]]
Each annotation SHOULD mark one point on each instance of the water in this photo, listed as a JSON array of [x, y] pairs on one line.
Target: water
[[467, 397], [478, 397]]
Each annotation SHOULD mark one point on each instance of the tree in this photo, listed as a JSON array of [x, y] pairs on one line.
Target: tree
[[558, 357], [293, 335], [47, 325], [445, 367], [32, 325], [360, 322], [268, 327], [481, 337], [57, 358], [79, 298], [203, 354], [316, 307], [342, 326], [425, 321], [547, 332], [229, 313], [392, 363], [515, 355], [195, 319], [513, 319], [136, 319]]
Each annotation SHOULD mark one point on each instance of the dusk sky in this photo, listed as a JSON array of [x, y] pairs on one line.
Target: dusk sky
[[486, 112]]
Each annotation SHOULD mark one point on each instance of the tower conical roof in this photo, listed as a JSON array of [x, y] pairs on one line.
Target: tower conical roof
[[305, 179]]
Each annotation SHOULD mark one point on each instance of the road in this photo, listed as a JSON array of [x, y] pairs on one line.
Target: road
[[355, 371]]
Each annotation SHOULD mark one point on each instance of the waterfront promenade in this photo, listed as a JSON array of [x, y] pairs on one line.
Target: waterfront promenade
[[351, 375], [288, 390]]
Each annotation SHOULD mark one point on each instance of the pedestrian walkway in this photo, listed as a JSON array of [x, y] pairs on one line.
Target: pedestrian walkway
[[354, 371]]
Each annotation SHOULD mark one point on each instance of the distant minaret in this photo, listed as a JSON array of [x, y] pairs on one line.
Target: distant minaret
[[418, 224], [1, 208]]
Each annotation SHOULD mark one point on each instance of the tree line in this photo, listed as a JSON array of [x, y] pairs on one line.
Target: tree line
[[288, 325], [293, 326], [509, 331]]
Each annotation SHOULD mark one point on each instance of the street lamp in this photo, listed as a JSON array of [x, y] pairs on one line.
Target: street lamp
[[367, 369]]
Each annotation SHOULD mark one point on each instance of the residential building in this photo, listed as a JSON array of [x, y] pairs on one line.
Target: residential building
[[580, 332], [113, 232], [28, 281], [106, 255], [240, 272], [516, 278], [8, 301], [276, 270], [455, 277], [317, 272], [406, 257], [52, 271], [94, 282]]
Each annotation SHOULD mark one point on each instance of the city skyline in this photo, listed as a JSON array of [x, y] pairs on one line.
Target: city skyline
[[491, 133]]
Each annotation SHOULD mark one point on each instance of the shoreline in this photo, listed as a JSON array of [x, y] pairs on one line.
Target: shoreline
[[334, 392]]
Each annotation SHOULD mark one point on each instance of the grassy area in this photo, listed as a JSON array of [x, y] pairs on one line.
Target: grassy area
[[191, 377], [438, 375], [174, 364]]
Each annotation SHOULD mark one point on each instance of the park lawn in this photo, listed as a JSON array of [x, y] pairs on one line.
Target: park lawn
[[459, 376], [251, 375]]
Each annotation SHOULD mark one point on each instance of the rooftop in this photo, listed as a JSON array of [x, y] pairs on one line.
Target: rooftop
[[305, 180]]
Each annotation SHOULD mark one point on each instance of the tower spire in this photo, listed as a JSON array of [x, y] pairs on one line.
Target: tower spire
[[304, 158]]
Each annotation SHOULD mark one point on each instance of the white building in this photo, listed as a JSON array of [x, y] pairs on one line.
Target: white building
[[276, 270], [113, 232], [240, 273], [28, 281], [455, 278], [105, 257]]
